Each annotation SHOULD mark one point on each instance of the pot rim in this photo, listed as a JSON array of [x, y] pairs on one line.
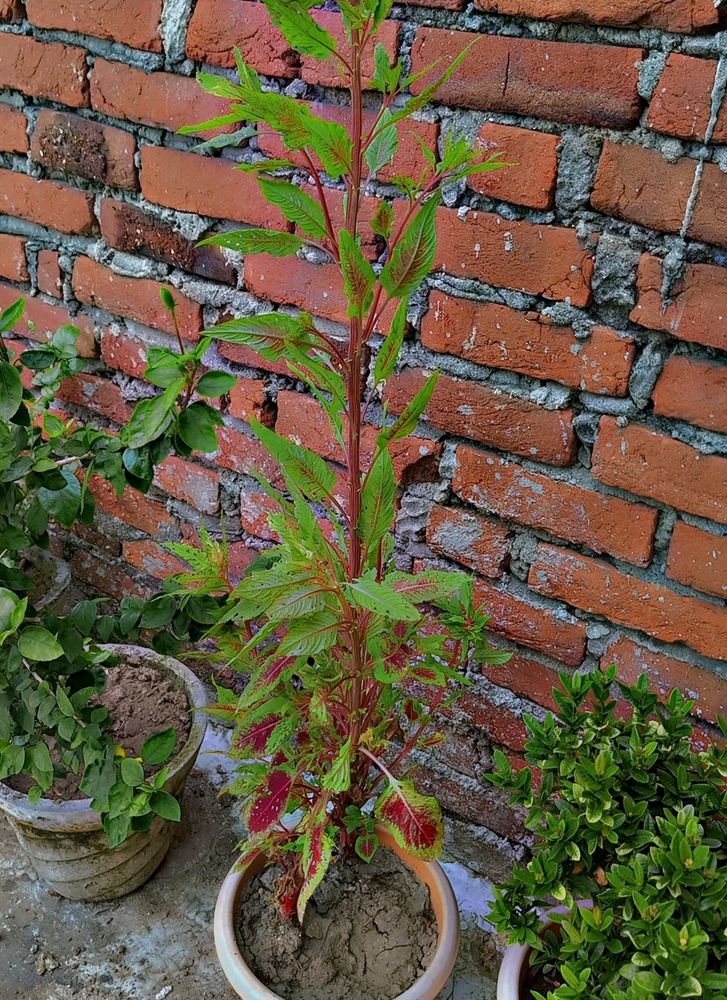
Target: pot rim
[[57, 815], [429, 984]]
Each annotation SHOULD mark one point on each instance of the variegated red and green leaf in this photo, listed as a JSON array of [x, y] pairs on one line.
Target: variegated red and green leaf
[[269, 806], [414, 820], [316, 860]]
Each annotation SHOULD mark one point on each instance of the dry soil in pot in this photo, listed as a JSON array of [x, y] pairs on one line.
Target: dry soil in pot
[[369, 931], [141, 702]]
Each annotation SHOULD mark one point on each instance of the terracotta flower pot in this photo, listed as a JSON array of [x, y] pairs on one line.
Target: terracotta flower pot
[[427, 987], [516, 961], [65, 841]]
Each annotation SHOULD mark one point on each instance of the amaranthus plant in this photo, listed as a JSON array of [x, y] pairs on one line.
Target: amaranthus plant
[[349, 659]]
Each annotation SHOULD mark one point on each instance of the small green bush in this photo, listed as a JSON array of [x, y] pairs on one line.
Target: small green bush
[[628, 815]]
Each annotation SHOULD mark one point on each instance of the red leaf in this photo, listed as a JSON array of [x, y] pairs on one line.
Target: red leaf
[[256, 737], [317, 853], [414, 820], [268, 808]]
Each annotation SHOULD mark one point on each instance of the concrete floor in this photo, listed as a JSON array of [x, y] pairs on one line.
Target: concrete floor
[[157, 943]]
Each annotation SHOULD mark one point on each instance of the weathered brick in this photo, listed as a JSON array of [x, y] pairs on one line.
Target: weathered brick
[[13, 130], [639, 185], [557, 81], [133, 508], [151, 558], [73, 145], [655, 465], [44, 69], [247, 399], [13, 264], [241, 452], [709, 222], [678, 15], [551, 631], [694, 391], [596, 587], [468, 799], [164, 100], [601, 522], [531, 181], [126, 227], [682, 101], [218, 26], [105, 577], [542, 260], [133, 22], [476, 542], [206, 186], [192, 483], [97, 394], [498, 336], [46, 319], [695, 310], [133, 298], [46, 203], [526, 678], [123, 352], [491, 416], [667, 673], [327, 74], [50, 277], [698, 559], [502, 725]]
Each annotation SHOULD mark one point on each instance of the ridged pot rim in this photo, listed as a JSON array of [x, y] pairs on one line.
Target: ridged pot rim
[[78, 814], [427, 987]]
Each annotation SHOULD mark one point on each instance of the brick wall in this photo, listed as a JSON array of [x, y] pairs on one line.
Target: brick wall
[[575, 452]]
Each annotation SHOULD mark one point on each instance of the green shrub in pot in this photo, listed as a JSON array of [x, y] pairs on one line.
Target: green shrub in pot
[[627, 815]]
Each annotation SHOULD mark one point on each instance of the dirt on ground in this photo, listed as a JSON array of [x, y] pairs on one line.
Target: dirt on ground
[[369, 931]]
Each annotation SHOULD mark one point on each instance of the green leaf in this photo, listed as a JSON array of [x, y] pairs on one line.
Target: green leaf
[[268, 334], [338, 778], [167, 300], [358, 276], [159, 748], [382, 223], [386, 77], [257, 241], [38, 644], [64, 703], [197, 427], [152, 417], [63, 505], [301, 30], [11, 390], [215, 384], [413, 256], [304, 469], [409, 417], [383, 146], [381, 599], [12, 315], [378, 503], [391, 348], [311, 635], [166, 806], [132, 772], [117, 829], [296, 206]]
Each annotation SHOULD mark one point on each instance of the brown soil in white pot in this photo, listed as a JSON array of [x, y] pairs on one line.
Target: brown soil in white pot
[[369, 931]]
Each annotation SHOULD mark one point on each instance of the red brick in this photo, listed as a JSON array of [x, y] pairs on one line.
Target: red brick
[[696, 307], [13, 264], [409, 158], [105, 577], [639, 185], [698, 559], [46, 319], [327, 74], [217, 26], [163, 100], [242, 453], [73, 145], [475, 542], [655, 465], [531, 181], [709, 222], [133, 508], [681, 104], [47, 70], [498, 336], [678, 15], [542, 260], [599, 521], [502, 725], [247, 356], [123, 352], [204, 186], [50, 278], [303, 420], [557, 81], [551, 631], [667, 673], [97, 394], [491, 416], [127, 228], [247, 399], [13, 130], [371, 245], [526, 678], [693, 391], [133, 298], [192, 483], [46, 203], [151, 558], [255, 509], [470, 800], [596, 587], [132, 22]]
